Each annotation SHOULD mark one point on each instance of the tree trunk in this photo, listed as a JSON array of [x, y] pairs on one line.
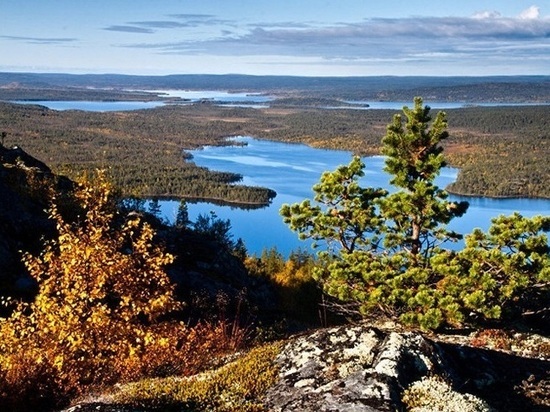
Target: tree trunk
[[415, 239]]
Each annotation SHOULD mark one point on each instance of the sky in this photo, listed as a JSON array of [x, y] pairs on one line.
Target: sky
[[277, 37]]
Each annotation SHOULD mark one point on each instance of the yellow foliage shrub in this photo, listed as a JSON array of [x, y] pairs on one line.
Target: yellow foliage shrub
[[100, 313], [101, 287], [171, 348], [298, 293]]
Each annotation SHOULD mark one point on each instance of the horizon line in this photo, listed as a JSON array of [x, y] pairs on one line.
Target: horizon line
[[270, 75]]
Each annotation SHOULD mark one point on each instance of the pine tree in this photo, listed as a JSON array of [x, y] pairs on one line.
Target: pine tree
[[384, 244], [386, 251], [344, 215], [182, 217], [418, 211]]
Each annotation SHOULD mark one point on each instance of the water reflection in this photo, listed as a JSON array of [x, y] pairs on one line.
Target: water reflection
[[214, 95]]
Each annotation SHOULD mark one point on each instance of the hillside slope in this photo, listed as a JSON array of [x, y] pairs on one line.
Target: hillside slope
[[204, 270]]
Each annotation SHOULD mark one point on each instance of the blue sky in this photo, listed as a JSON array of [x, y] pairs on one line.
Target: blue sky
[[276, 37]]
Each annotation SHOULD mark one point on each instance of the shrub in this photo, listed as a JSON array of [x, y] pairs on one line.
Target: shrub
[[101, 286], [298, 294]]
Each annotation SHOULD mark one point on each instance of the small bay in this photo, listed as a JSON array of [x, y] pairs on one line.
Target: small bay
[[292, 169]]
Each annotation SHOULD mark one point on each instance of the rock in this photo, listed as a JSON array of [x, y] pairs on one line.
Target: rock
[[348, 368], [361, 368], [24, 222]]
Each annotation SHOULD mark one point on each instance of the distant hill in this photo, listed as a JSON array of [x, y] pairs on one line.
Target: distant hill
[[510, 89]]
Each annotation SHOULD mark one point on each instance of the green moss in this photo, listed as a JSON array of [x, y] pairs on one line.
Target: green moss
[[237, 386]]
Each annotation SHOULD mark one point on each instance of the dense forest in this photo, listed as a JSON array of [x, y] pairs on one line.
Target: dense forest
[[502, 151], [143, 151]]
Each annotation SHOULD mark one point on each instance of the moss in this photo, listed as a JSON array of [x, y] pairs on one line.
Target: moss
[[237, 386]]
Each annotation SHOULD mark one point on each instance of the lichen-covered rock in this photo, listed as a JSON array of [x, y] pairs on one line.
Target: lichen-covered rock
[[361, 368], [349, 368]]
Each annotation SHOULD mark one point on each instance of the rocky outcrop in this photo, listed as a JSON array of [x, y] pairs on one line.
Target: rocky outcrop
[[24, 222], [360, 368]]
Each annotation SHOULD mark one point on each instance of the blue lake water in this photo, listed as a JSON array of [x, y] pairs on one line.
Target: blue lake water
[[92, 106], [433, 105], [253, 100], [292, 169], [214, 95]]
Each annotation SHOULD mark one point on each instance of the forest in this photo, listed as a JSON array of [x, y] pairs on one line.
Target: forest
[[501, 151]]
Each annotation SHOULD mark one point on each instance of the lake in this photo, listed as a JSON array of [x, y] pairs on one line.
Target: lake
[[252, 100], [215, 96], [292, 169], [433, 105], [92, 106]]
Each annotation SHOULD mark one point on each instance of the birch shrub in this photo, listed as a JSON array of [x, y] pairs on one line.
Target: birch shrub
[[100, 315]]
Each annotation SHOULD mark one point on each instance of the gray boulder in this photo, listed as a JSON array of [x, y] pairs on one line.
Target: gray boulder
[[361, 368]]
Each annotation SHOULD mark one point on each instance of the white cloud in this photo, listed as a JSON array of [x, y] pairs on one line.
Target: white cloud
[[487, 39], [532, 12], [487, 14]]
